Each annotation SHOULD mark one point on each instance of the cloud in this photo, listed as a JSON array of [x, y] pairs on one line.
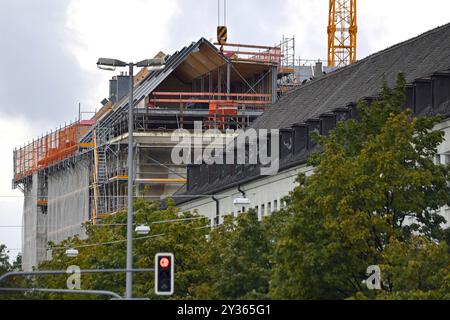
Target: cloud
[[14, 131], [40, 79], [382, 23], [49, 56], [250, 21], [11, 236], [127, 30], [49, 50]]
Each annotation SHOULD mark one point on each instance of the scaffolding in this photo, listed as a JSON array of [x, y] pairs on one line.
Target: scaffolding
[[287, 46], [223, 89], [287, 79], [49, 149], [252, 53]]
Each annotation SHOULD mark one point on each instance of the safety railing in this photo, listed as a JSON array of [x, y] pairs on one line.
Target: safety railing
[[49, 149]]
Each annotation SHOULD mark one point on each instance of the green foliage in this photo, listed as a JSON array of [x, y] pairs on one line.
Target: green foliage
[[227, 262], [239, 259], [373, 200], [185, 238], [5, 265], [375, 187]]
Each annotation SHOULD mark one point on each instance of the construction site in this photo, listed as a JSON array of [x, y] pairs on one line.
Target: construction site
[[78, 172]]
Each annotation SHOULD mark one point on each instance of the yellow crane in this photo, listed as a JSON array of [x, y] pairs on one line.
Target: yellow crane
[[342, 31]]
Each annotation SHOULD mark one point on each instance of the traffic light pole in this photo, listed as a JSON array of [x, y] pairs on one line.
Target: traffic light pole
[[64, 272]]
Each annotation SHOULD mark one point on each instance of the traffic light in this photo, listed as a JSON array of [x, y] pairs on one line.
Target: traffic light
[[164, 273]]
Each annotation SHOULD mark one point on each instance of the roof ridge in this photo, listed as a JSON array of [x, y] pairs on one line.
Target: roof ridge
[[408, 41], [371, 56]]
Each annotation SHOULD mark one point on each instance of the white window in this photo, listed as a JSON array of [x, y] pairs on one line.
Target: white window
[[447, 159], [275, 205], [262, 210], [437, 159], [269, 208]]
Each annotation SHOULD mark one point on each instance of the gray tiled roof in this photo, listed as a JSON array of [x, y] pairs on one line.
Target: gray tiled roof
[[417, 57], [420, 57]]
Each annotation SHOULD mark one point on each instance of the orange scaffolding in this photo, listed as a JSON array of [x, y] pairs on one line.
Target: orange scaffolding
[[249, 99], [49, 149], [257, 53], [219, 114]]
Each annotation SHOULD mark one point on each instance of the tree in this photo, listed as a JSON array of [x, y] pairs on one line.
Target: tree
[[5, 265], [375, 186], [238, 259], [105, 247]]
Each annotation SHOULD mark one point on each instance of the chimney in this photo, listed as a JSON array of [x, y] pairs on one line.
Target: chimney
[[318, 70], [119, 86]]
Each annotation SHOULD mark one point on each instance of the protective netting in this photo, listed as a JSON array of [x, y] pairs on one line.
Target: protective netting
[[34, 236], [68, 208], [68, 202]]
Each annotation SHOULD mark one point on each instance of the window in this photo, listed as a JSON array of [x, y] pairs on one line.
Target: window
[[257, 210], [262, 210], [447, 159], [438, 159], [269, 207], [275, 205]]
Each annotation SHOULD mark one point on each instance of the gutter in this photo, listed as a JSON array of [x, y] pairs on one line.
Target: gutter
[[241, 191], [217, 218], [243, 194]]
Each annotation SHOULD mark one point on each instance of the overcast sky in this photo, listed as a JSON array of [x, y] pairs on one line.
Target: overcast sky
[[49, 49]]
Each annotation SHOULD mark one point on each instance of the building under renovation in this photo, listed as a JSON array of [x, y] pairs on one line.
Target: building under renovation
[[78, 172], [317, 106]]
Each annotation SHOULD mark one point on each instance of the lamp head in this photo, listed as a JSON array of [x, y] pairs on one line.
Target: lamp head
[[156, 62], [110, 64], [71, 253]]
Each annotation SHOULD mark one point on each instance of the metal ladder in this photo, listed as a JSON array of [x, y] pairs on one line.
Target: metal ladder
[[100, 176]]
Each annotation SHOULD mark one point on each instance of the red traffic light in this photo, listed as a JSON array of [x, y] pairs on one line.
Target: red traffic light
[[164, 262], [164, 273]]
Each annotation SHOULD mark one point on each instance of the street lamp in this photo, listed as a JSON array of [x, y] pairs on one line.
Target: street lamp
[[111, 64], [71, 253], [244, 202], [142, 229]]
